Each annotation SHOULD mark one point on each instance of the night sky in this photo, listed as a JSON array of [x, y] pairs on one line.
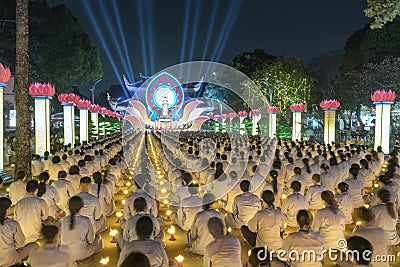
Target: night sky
[[154, 30]]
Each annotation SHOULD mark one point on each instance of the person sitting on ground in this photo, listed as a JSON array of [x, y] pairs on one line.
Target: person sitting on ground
[[199, 236], [12, 238], [77, 232], [18, 188], [64, 190], [129, 233], [313, 194], [152, 249], [103, 194], [50, 195], [304, 240], [190, 207], [299, 178], [74, 177], [91, 206], [136, 259], [244, 207], [50, 253], [293, 203], [225, 250], [361, 247], [265, 228], [345, 202], [30, 212]]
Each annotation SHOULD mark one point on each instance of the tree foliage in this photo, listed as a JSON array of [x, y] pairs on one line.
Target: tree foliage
[[60, 51], [250, 62], [382, 11]]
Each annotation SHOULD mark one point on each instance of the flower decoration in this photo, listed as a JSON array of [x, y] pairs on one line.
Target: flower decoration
[[297, 107], [242, 113], [216, 117], [232, 115], [383, 96], [41, 89], [83, 104], [94, 108], [273, 109], [68, 98], [224, 116], [5, 74], [255, 112], [330, 104]]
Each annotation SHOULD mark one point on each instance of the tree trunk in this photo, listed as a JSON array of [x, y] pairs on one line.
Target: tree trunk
[[23, 130]]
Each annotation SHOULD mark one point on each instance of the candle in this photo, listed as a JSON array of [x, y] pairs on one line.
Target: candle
[[376, 185], [123, 202], [358, 223], [158, 172], [249, 252], [168, 213], [366, 206], [165, 202], [126, 192], [179, 259], [8, 190], [283, 196], [160, 176], [171, 231], [285, 225], [162, 183], [119, 216], [104, 261], [113, 234], [163, 190], [128, 184], [229, 230]]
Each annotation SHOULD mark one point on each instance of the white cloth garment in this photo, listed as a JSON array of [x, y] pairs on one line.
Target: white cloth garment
[[105, 198], [345, 203], [11, 238], [153, 250], [268, 224], [30, 212], [75, 180], [64, 189], [129, 209], [356, 191], [223, 252], [244, 207], [199, 236], [304, 241], [129, 233], [92, 210], [291, 206], [386, 222], [52, 198], [51, 255], [313, 196], [300, 178], [17, 191], [330, 225], [81, 241], [185, 214]]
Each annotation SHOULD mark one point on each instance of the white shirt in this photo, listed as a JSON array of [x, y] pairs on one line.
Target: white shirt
[[30, 212], [356, 191], [223, 252], [51, 255], [153, 250], [17, 191], [345, 203], [268, 224], [129, 209], [190, 207], [330, 225], [313, 196], [291, 206], [11, 238], [91, 206], [386, 222], [245, 206]]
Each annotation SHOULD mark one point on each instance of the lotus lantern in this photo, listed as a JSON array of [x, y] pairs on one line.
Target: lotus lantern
[[216, 117], [41, 89], [68, 98], [383, 96], [232, 115], [297, 107], [330, 104], [255, 112], [224, 116], [83, 104], [5, 74], [273, 109], [242, 113]]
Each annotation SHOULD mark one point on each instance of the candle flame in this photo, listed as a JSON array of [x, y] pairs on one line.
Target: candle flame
[[163, 190], [283, 196], [229, 229], [168, 213], [128, 184], [179, 258], [249, 252], [113, 232], [126, 192], [171, 230], [118, 214], [366, 206], [123, 202], [285, 225], [358, 223], [165, 202], [8, 190], [104, 261]]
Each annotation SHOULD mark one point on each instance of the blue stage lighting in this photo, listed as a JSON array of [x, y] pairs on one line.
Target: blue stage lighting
[[139, 12]]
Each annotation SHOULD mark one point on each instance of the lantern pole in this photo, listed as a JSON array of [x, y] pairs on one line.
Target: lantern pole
[[329, 107], [272, 110], [5, 76], [297, 109]]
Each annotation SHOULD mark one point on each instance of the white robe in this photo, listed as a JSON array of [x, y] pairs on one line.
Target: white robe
[[53, 170], [17, 191], [153, 250], [244, 207], [300, 178], [64, 189], [345, 203], [330, 225], [92, 210], [51, 255], [313, 196], [199, 236], [356, 191], [129, 233], [75, 180], [268, 224], [302, 241], [11, 238], [105, 197], [30, 212], [377, 237], [185, 214], [52, 198], [81, 240], [291, 206], [386, 222], [328, 181], [223, 252], [129, 209]]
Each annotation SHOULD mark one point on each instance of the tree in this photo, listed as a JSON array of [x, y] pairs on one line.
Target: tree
[[225, 96], [23, 131], [53, 31], [250, 62], [382, 11]]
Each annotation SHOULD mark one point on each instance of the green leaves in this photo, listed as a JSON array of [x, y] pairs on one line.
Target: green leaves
[[382, 11]]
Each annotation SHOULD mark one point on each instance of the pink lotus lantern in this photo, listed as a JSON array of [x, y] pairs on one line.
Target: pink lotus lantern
[[5, 75], [83, 106], [69, 99], [216, 117], [255, 112], [273, 109], [242, 113], [330, 104], [383, 96], [224, 116], [232, 115], [383, 101], [42, 92], [329, 107], [297, 107], [255, 117], [94, 117]]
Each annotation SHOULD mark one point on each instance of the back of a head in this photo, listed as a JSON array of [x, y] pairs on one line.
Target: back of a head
[[81, 163], [366, 215], [343, 187], [144, 227], [362, 246], [5, 204], [56, 159], [62, 174], [44, 177], [268, 197], [216, 227], [297, 171], [136, 259], [73, 170], [49, 232], [32, 186], [97, 177], [329, 198], [21, 175], [245, 185], [187, 177], [193, 189], [303, 218], [296, 186], [85, 180], [208, 199], [316, 177], [139, 204], [354, 171]]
